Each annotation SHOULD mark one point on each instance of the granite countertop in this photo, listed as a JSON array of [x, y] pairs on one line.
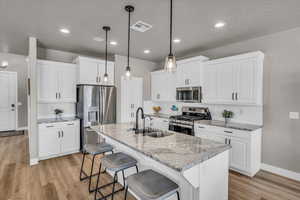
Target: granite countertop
[[159, 115], [238, 126], [54, 120], [177, 151]]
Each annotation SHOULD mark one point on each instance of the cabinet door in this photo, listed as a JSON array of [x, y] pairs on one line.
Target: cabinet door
[[247, 81], [169, 88], [238, 153], [88, 71], [181, 75], [226, 82], [67, 83], [49, 141], [47, 82], [156, 86], [193, 73], [210, 84], [70, 137]]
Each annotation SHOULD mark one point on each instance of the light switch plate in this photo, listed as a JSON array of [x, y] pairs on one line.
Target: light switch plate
[[294, 115]]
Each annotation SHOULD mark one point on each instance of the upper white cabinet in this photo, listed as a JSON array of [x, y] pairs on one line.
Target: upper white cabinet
[[189, 72], [56, 82], [234, 80], [91, 71], [163, 86]]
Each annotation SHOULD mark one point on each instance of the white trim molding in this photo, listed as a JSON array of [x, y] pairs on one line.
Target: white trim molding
[[282, 172], [34, 161], [24, 128]]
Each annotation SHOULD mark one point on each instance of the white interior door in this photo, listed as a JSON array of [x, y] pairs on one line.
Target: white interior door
[[8, 101]]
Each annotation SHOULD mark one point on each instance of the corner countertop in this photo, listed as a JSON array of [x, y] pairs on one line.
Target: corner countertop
[[177, 151], [237, 126], [55, 120], [159, 115]]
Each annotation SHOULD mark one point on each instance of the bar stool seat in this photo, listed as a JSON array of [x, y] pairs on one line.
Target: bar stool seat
[[118, 161], [150, 185], [95, 149]]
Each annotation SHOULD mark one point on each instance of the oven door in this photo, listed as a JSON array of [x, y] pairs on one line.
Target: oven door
[[181, 129]]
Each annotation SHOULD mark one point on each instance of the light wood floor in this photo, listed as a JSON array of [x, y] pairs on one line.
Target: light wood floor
[[59, 179]]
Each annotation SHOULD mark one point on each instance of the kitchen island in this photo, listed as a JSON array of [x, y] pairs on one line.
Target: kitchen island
[[199, 166]]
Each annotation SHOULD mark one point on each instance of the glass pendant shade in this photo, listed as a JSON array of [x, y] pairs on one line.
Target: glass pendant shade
[[128, 72], [105, 77], [170, 63]]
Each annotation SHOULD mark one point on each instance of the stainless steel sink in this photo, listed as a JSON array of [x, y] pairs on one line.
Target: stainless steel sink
[[159, 134]]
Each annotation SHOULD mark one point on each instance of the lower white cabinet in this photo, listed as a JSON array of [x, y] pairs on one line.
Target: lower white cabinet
[[245, 153], [157, 123], [56, 139]]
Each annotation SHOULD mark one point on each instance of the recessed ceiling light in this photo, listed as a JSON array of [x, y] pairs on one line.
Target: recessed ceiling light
[[98, 39], [220, 24], [113, 43], [4, 64], [147, 51], [176, 40], [65, 31]]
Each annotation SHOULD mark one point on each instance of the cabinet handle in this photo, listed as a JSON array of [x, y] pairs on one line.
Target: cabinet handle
[[228, 131], [225, 140], [229, 141], [56, 95], [166, 121], [70, 124], [58, 134], [62, 132], [50, 126], [236, 96], [59, 95], [201, 127], [99, 79], [232, 96]]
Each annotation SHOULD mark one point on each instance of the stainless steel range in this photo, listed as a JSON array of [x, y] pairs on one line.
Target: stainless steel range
[[185, 123]]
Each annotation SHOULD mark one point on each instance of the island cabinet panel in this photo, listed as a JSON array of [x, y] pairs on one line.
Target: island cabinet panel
[[234, 80], [163, 86], [56, 82], [245, 152], [57, 139], [91, 71]]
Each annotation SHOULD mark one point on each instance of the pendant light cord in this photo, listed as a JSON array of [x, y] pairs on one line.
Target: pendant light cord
[[171, 26], [106, 51], [128, 47]]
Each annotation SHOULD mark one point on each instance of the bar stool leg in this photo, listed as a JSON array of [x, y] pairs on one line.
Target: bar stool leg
[[178, 196], [81, 169], [113, 189], [91, 174], [126, 191], [97, 185]]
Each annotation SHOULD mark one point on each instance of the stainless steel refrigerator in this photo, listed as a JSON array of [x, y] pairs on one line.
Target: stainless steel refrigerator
[[95, 105]]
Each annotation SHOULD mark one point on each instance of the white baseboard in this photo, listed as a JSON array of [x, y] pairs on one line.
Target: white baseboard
[[34, 161], [282, 172], [22, 128]]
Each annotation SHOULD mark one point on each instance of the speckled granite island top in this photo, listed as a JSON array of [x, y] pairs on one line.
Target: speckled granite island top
[[178, 151]]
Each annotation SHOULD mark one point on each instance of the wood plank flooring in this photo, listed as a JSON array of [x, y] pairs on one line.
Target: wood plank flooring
[[58, 179]]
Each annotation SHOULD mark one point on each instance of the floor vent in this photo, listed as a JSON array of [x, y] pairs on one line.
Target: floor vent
[[141, 26]]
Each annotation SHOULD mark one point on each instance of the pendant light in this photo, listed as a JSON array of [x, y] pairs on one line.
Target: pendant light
[[170, 63], [129, 9], [106, 29]]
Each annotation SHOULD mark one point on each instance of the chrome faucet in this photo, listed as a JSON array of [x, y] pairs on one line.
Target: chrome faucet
[[137, 119]]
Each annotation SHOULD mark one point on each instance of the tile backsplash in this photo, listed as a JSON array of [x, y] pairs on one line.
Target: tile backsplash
[[46, 110], [242, 114]]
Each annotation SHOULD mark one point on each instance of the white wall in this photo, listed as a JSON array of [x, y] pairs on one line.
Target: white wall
[[139, 68]]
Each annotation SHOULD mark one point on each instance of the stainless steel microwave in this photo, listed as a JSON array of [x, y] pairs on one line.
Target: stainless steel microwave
[[189, 94]]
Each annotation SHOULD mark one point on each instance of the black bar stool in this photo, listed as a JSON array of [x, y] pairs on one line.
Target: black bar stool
[[94, 150], [150, 185], [117, 162]]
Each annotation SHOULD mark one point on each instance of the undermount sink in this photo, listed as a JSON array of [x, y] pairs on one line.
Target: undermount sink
[[151, 132]]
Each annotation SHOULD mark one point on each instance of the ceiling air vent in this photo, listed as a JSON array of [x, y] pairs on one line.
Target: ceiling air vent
[[141, 26]]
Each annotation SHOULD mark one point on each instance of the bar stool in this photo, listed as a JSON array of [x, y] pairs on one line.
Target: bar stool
[[150, 185], [117, 162], [94, 150]]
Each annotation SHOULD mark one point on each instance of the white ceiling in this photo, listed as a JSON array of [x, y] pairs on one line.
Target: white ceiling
[[193, 24]]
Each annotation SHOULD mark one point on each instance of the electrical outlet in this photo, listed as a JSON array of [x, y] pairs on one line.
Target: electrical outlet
[[294, 115]]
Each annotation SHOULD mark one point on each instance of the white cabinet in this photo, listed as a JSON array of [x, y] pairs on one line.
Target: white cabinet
[[56, 82], [56, 139], [245, 152], [163, 86], [234, 80], [189, 72], [91, 71], [131, 98], [157, 123]]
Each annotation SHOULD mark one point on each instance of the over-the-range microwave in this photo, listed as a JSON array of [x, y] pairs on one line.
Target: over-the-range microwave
[[189, 94]]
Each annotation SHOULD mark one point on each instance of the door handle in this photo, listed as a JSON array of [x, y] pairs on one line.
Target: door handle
[[236, 96], [228, 131], [232, 95]]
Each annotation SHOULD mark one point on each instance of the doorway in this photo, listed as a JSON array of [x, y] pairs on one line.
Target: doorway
[[8, 101]]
